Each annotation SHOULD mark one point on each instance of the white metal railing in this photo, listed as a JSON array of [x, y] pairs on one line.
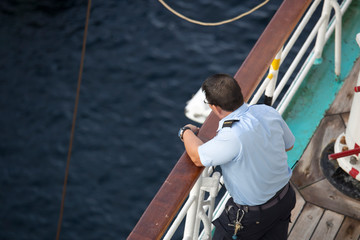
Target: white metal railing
[[316, 53], [321, 37], [196, 207]]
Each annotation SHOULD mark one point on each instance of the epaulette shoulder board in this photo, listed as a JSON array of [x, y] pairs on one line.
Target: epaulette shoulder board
[[228, 123]]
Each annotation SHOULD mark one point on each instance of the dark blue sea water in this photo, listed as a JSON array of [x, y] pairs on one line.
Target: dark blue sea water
[[141, 66]]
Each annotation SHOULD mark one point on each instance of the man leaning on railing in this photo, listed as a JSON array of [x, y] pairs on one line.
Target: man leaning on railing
[[250, 147]]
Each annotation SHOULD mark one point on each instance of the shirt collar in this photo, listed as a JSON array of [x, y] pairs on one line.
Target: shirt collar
[[235, 115]]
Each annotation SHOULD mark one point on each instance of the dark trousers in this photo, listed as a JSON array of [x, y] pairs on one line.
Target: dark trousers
[[265, 224]]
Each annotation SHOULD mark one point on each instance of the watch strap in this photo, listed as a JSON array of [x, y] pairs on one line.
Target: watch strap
[[183, 131]]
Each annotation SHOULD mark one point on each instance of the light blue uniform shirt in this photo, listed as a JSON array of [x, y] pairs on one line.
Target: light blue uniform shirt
[[251, 153]]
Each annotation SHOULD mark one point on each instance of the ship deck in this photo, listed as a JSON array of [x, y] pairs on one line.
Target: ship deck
[[322, 211]]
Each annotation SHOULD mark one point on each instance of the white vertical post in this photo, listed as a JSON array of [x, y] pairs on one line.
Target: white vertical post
[[320, 40], [338, 23], [273, 75], [191, 216]]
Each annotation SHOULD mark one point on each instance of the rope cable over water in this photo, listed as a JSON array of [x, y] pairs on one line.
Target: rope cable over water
[[74, 120], [213, 23]]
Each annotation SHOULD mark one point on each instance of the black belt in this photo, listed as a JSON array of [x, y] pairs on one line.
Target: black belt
[[274, 200]]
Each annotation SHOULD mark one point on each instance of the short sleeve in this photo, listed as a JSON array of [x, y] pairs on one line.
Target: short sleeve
[[224, 147], [289, 138]]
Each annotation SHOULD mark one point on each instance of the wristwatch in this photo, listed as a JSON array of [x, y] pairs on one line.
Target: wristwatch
[[181, 132]]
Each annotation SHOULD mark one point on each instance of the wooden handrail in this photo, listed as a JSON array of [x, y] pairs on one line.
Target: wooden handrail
[[168, 200]]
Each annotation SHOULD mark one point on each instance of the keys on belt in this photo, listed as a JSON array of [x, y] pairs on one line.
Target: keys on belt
[[237, 222]]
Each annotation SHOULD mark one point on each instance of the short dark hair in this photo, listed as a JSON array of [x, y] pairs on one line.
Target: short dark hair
[[222, 90]]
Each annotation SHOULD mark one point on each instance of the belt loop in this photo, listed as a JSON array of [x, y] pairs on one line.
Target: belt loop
[[246, 209]]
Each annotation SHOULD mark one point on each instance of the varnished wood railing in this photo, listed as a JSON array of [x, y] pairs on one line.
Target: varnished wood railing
[[175, 189]]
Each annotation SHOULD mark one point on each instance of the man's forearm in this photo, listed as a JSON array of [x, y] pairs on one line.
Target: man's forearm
[[192, 143]]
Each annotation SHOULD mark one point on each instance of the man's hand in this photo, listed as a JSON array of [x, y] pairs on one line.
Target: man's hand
[[193, 128]]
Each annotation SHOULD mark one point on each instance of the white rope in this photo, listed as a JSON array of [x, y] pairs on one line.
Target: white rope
[[213, 23]]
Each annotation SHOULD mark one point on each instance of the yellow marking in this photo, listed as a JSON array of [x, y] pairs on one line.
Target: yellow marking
[[275, 64], [270, 76]]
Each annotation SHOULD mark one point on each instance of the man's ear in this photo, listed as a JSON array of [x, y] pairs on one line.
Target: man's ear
[[217, 110]]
